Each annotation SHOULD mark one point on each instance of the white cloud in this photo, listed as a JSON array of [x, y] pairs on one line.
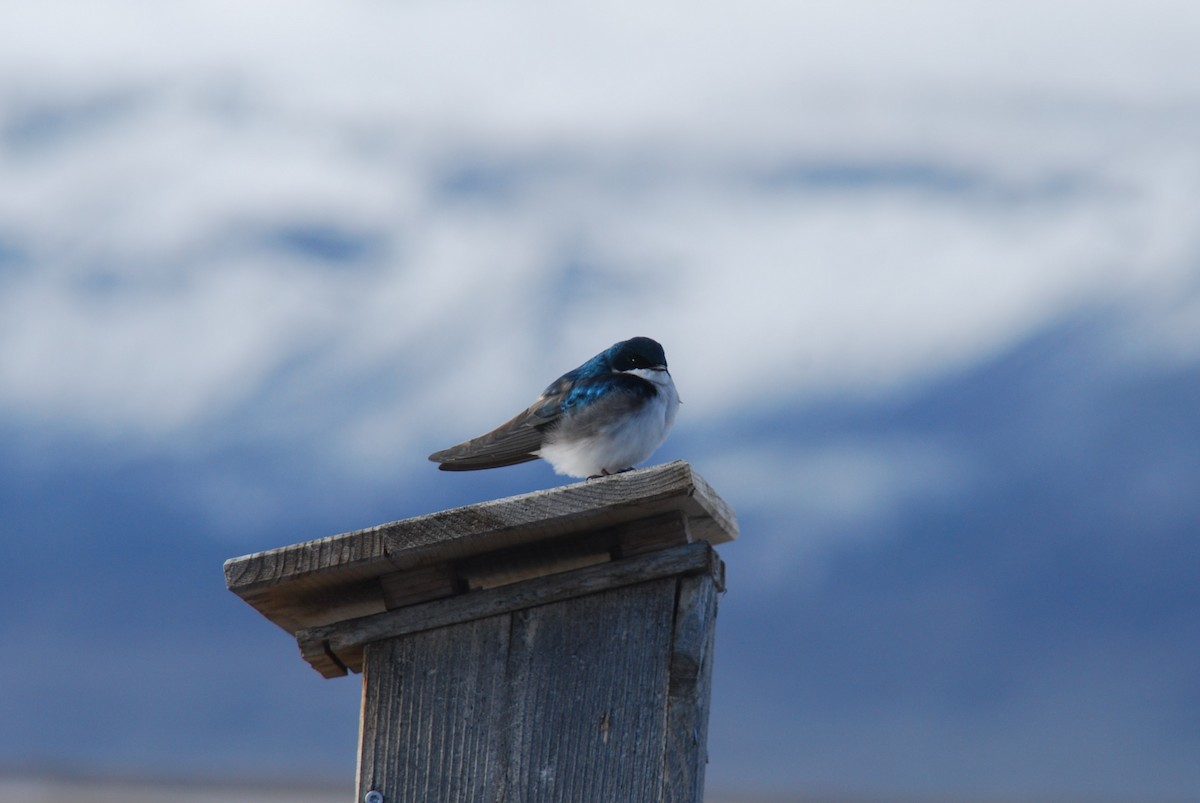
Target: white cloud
[[1000, 167]]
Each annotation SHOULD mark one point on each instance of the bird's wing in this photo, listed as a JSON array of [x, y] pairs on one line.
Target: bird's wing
[[516, 441], [594, 401], [587, 399]]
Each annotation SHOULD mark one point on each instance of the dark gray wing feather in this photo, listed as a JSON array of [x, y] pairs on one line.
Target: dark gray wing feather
[[516, 441]]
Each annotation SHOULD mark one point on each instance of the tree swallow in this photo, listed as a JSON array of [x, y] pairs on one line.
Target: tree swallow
[[606, 416]]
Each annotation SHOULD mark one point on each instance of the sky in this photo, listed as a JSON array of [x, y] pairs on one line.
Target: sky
[[928, 280]]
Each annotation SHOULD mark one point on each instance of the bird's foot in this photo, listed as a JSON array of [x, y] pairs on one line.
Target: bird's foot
[[606, 473]]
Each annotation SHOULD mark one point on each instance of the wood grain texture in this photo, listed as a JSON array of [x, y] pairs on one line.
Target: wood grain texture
[[421, 584], [690, 690], [292, 587], [340, 577], [554, 555], [561, 702], [333, 648], [554, 646], [653, 534], [588, 685], [433, 712], [580, 507]]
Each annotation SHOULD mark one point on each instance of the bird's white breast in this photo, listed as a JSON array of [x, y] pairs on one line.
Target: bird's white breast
[[626, 442]]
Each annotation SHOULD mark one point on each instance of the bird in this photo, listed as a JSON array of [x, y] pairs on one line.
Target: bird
[[602, 418]]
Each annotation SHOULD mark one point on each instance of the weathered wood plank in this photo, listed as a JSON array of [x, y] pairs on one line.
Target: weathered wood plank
[[588, 505], [561, 702], [587, 684], [555, 646], [650, 535], [421, 584], [345, 640], [540, 558], [434, 706], [310, 596], [359, 554], [690, 690], [333, 578], [321, 658]]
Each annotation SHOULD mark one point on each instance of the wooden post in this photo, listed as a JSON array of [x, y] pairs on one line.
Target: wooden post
[[554, 646]]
